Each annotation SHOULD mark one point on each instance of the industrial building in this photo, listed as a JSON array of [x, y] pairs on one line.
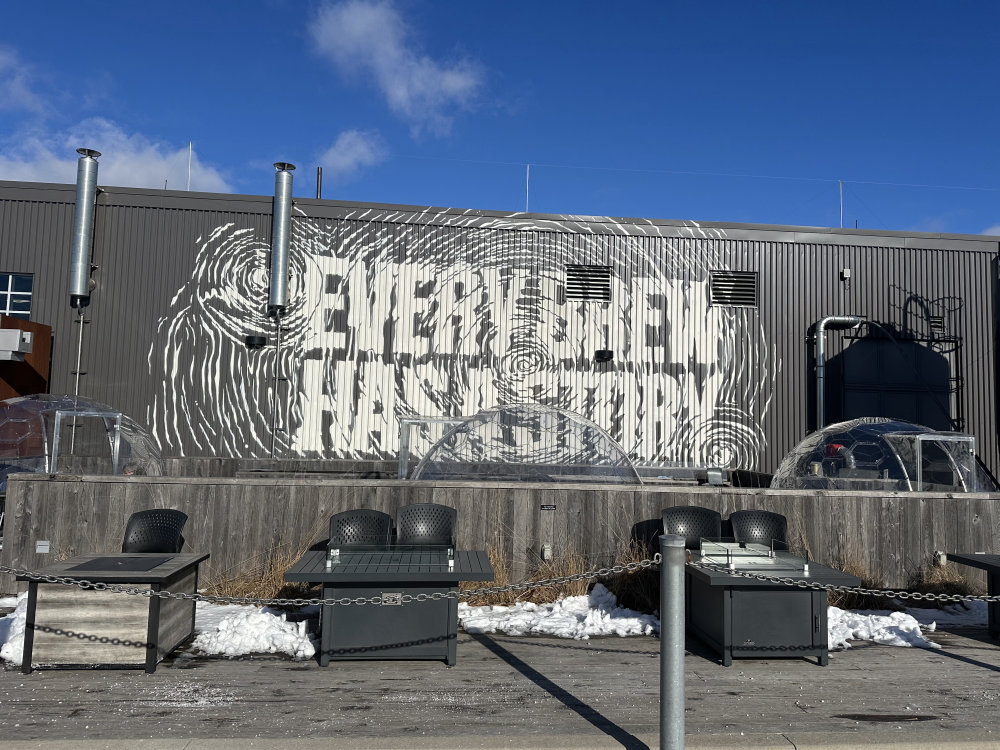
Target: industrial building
[[690, 343]]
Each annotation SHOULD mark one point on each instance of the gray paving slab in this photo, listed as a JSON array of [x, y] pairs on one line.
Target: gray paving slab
[[519, 692]]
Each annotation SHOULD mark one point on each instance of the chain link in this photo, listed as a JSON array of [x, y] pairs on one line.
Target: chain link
[[817, 586], [345, 601], [469, 593]]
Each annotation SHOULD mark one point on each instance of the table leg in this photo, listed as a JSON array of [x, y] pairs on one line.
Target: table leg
[[325, 630], [29, 628], [993, 608], [452, 656]]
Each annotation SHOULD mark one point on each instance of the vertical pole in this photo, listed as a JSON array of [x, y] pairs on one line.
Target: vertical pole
[[76, 373], [527, 185], [841, 183], [671, 642], [277, 378], [404, 449]]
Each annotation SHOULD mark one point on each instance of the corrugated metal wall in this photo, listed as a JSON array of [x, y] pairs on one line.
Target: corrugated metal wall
[[411, 311]]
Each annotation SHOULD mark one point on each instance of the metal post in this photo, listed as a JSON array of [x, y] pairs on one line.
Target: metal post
[[671, 642], [76, 373], [277, 378], [832, 322]]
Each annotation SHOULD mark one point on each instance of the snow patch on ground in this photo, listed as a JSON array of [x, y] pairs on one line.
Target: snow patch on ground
[[251, 630], [12, 628], [888, 629], [578, 617]]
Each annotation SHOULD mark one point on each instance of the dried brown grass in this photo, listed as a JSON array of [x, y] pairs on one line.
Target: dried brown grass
[[942, 579], [263, 576], [843, 600], [639, 589], [568, 564]]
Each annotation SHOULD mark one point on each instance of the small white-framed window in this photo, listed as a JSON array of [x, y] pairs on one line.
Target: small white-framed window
[[15, 294]]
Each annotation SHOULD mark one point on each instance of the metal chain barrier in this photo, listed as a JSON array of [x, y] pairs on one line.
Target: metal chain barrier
[[816, 586], [524, 586], [344, 601]]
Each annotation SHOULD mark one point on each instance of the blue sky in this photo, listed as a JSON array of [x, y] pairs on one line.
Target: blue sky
[[707, 111]]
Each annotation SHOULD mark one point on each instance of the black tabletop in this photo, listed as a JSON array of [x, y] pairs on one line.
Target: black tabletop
[[791, 568], [121, 567], [388, 565], [976, 560]]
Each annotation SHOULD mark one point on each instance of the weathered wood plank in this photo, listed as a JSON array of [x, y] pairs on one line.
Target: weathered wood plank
[[73, 626], [237, 519]]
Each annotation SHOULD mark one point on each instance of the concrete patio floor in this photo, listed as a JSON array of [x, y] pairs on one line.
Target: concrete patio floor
[[519, 692]]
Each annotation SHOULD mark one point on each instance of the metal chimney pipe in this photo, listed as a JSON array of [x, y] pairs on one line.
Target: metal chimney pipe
[[833, 322], [319, 183], [83, 227], [281, 220]]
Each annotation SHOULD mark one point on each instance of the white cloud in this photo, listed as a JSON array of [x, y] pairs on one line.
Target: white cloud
[[993, 230], [130, 160], [353, 150], [372, 39], [16, 92]]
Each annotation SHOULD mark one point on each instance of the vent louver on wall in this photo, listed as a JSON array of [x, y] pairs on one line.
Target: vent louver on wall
[[737, 288], [588, 283]]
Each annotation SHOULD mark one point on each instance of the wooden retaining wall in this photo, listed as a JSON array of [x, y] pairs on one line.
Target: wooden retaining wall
[[239, 520]]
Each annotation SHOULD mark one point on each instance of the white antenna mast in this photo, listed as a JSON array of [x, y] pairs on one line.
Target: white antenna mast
[[527, 185], [190, 147], [841, 183]]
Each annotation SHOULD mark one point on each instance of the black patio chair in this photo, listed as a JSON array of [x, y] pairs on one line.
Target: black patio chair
[[759, 526], [692, 522], [361, 526], [155, 530], [426, 524]]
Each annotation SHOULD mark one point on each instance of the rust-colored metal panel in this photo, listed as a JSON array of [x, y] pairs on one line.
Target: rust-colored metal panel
[[32, 375]]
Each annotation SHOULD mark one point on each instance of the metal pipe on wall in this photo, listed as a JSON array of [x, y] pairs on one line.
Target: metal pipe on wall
[[832, 322], [80, 258], [281, 221], [83, 227]]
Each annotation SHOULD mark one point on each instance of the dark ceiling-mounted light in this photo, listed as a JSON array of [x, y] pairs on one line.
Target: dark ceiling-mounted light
[[255, 341]]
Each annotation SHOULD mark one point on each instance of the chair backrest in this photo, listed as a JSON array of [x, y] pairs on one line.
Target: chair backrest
[[692, 522], [759, 526], [426, 523], [155, 530], [360, 527]]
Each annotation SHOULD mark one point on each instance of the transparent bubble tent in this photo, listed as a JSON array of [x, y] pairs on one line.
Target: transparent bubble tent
[[875, 453], [527, 443], [62, 434]]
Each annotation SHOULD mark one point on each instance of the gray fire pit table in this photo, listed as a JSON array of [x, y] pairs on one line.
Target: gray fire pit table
[[748, 617], [69, 626], [991, 564], [391, 630]]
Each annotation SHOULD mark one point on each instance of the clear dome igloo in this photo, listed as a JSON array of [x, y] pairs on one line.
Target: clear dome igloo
[[875, 453], [527, 443], [47, 433]]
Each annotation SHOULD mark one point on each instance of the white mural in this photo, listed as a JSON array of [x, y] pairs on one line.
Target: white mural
[[445, 314]]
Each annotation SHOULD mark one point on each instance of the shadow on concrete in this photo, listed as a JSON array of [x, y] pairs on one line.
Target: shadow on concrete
[[585, 711]]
